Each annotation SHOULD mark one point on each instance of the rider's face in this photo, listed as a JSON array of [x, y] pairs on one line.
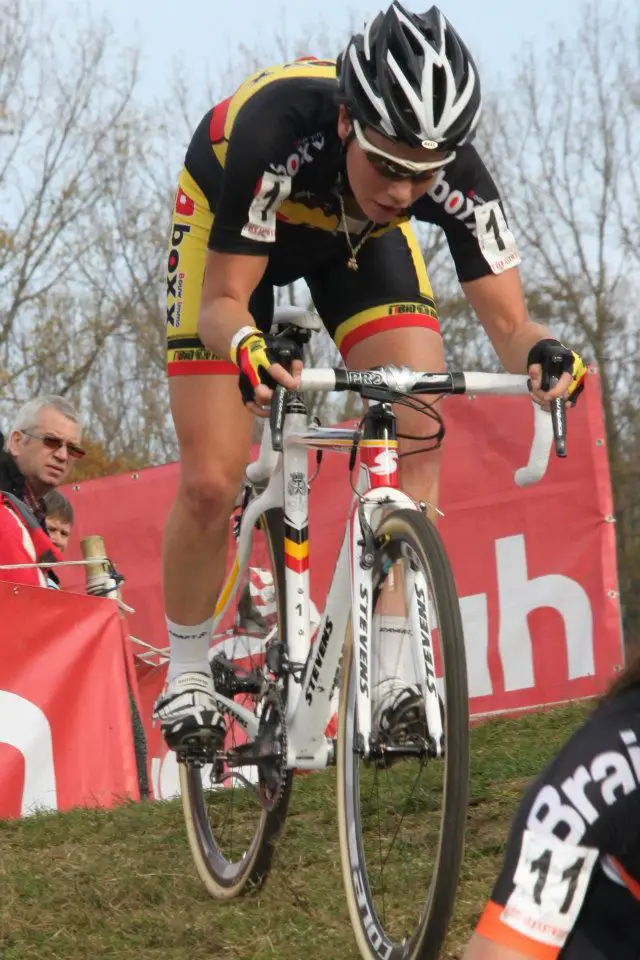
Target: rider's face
[[380, 197]]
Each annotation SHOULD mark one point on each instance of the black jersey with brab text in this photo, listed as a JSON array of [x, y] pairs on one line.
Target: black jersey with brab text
[[570, 882]]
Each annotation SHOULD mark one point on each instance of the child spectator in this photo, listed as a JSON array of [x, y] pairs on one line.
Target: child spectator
[[58, 518]]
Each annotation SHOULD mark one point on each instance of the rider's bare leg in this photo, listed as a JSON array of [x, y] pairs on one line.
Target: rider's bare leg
[[214, 434], [420, 349]]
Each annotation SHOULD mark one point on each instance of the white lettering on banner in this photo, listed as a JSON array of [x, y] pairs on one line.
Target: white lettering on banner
[[164, 777], [475, 626], [518, 596], [24, 726]]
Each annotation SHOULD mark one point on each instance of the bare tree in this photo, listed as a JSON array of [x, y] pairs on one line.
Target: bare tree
[[82, 242], [54, 154], [568, 144]]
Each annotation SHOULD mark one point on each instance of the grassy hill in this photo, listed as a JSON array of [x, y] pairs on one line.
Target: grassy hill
[[90, 884]]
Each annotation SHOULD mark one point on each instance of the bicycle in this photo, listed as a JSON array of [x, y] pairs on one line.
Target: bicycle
[[276, 687]]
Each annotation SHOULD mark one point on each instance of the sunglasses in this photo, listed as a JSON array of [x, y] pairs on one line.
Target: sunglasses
[[393, 168], [51, 442]]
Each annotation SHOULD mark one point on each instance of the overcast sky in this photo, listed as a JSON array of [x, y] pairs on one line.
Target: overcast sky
[[203, 34]]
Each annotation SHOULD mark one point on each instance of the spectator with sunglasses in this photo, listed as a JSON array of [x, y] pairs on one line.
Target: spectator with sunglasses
[[40, 449], [313, 170]]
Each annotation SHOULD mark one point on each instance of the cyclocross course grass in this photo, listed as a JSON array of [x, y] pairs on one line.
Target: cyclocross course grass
[[121, 885]]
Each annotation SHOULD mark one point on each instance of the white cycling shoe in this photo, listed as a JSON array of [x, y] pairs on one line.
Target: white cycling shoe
[[188, 713]]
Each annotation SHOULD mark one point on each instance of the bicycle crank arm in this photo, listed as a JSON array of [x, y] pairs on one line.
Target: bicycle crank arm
[[253, 753], [247, 720]]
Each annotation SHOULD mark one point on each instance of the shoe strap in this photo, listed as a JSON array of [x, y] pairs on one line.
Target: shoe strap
[[190, 683]]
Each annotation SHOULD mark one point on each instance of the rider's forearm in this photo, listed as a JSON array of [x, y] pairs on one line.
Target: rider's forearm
[[498, 301], [513, 345], [219, 321]]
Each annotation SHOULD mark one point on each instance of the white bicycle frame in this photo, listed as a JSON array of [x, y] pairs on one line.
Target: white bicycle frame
[[284, 477]]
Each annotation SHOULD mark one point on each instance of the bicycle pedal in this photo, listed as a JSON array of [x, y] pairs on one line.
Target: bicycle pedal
[[199, 749], [196, 755]]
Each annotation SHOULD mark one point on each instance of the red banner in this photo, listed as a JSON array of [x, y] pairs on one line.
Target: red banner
[[65, 723], [535, 568]]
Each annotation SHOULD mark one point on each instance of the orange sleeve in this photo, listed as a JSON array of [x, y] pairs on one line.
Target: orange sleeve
[[491, 926]]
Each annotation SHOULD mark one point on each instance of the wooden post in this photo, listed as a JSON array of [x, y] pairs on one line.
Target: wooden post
[[99, 581]]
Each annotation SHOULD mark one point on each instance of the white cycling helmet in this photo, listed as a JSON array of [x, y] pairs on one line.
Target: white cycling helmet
[[410, 77]]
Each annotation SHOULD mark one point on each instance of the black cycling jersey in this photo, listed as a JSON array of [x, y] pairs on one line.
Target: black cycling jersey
[[269, 161], [570, 882], [264, 175]]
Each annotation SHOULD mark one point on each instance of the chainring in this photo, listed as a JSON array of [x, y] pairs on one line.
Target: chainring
[[272, 774]]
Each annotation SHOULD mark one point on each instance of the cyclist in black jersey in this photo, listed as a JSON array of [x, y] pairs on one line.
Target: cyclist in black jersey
[[313, 170], [569, 887]]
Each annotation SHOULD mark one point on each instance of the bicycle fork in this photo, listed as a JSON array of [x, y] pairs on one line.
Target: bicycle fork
[[379, 473]]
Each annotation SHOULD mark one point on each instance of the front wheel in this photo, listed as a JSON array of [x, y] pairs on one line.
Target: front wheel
[[401, 823]]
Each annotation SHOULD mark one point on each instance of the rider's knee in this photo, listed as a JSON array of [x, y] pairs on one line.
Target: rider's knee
[[209, 497], [420, 455]]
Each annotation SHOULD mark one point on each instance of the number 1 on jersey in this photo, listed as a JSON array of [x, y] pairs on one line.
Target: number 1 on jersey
[[493, 227]]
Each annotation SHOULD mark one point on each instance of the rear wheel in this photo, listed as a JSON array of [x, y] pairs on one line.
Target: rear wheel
[[235, 809], [402, 822]]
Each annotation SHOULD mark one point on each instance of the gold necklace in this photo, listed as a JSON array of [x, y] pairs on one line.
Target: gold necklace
[[352, 262]]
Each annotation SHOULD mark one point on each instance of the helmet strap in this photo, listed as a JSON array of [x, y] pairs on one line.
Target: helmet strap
[[350, 137]]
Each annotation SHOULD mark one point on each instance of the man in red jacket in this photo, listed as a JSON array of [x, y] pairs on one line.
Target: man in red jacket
[[43, 442]]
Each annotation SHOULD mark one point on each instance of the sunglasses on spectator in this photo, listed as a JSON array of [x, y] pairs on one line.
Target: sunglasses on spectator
[[51, 442], [396, 168]]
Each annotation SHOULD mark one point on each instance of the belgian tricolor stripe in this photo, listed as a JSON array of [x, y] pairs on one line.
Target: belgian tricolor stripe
[[296, 548]]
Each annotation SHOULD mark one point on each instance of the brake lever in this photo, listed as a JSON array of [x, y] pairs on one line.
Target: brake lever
[[276, 416], [559, 421], [286, 352], [558, 406]]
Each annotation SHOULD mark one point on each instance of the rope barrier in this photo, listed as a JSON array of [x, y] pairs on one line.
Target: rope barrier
[[75, 563], [161, 652], [56, 563]]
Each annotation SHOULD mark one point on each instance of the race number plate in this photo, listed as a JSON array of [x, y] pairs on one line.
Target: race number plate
[[551, 881]]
